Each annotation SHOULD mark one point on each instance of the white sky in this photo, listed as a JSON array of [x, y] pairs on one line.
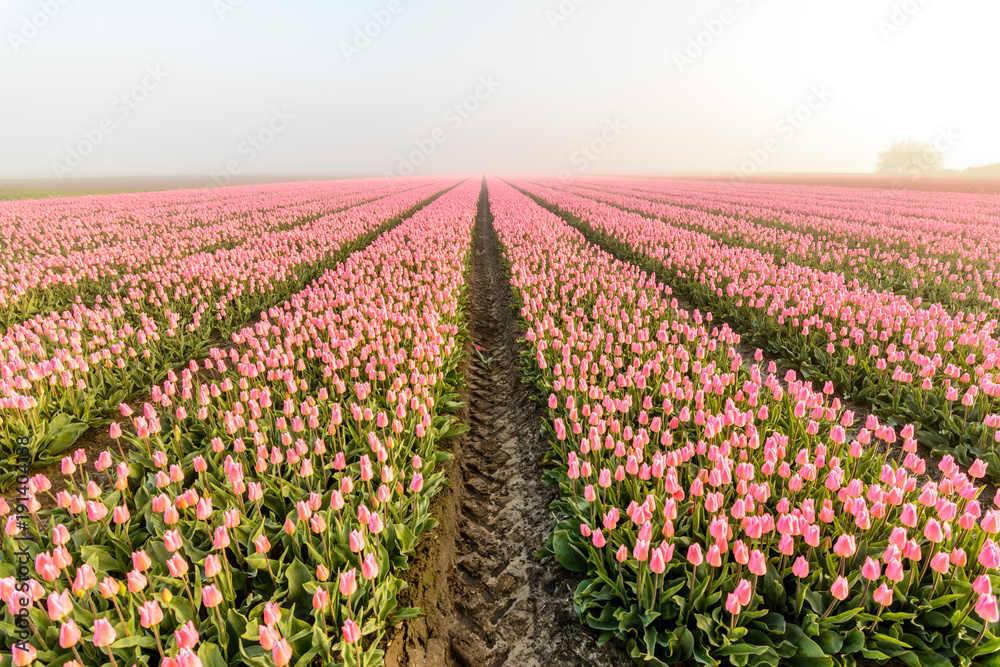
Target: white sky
[[559, 85]]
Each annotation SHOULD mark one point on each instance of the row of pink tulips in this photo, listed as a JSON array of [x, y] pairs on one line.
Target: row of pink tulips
[[64, 372], [266, 500], [913, 363], [57, 227], [82, 253], [934, 213], [955, 268], [718, 513]]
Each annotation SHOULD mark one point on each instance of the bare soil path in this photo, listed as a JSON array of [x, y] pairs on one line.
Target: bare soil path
[[490, 602]]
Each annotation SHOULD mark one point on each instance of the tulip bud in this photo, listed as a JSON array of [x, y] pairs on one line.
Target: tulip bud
[[351, 631]]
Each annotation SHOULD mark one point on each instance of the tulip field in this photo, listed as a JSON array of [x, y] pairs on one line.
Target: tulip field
[[768, 416], [92, 316], [903, 323]]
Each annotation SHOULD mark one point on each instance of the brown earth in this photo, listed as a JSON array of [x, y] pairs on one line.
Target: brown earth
[[490, 602]]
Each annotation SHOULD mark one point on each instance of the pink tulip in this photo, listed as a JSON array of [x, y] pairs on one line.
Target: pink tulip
[[150, 614], [656, 562], [140, 561], [939, 563], [172, 540], [187, 635], [136, 581], [69, 634], [991, 522], [268, 637], [22, 657], [743, 592], [356, 541], [281, 653], [213, 565], [417, 483], [272, 614], [85, 579], [694, 555], [989, 555], [894, 571], [840, 588], [104, 634], [60, 535], [871, 570], [177, 566], [186, 657], [986, 607], [59, 605], [883, 595], [211, 596], [220, 540], [121, 515], [369, 568], [321, 599], [109, 588], [933, 532], [351, 632], [348, 582], [845, 546]]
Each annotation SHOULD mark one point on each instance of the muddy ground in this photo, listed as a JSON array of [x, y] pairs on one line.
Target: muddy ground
[[490, 602]]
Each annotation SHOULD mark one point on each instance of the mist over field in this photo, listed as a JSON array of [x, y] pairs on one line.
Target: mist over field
[[217, 89]]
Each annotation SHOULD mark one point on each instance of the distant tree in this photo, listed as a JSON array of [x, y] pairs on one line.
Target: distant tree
[[910, 157]]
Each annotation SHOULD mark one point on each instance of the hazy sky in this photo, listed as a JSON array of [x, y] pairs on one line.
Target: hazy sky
[[193, 87]]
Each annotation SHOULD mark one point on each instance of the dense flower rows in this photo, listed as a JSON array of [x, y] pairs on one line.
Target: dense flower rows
[[67, 370], [264, 506], [913, 362], [952, 264], [960, 221], [60, 252], [720, 512]]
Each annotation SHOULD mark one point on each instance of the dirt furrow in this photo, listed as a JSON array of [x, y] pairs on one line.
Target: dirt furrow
[[490, 602]]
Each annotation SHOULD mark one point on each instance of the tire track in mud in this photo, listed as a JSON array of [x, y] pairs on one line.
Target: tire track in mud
[[490, 602]]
